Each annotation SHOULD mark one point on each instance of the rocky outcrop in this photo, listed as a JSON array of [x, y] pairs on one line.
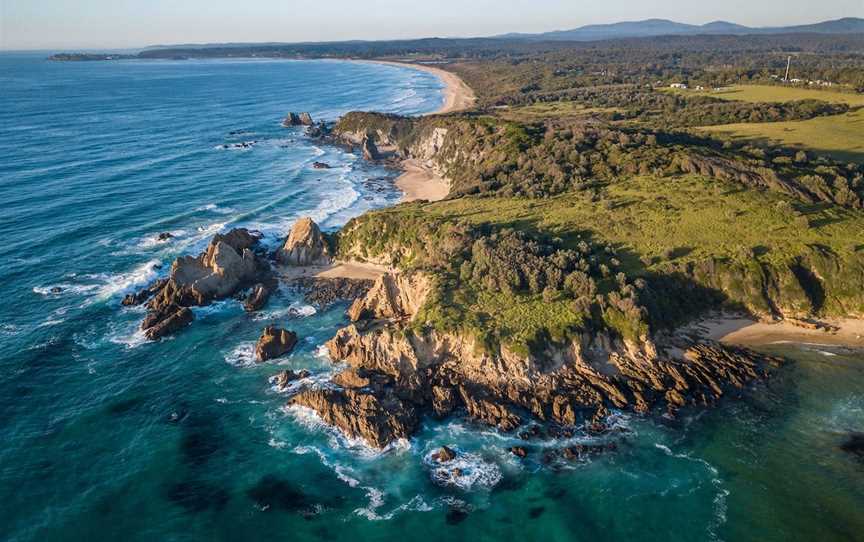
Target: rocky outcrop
[[226, 267], [393, 296], [379, 417], [326, 291], [273, 343], [370, 150], [286, 377], [305, 245], [294, 119], [259, 295], [413, 372]]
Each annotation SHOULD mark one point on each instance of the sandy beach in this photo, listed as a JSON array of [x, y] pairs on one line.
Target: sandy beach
[[457, 95], [747, 332], [336, 270], [419, 182]]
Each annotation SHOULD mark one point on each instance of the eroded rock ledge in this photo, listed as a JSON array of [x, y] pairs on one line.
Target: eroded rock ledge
[[397, 374]]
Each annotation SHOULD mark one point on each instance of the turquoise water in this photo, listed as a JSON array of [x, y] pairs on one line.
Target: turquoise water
[[107, 437]]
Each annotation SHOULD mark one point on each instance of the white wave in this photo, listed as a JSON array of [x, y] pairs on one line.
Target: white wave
[[295, 310], [243, 355], [51, 322], [466, 471], [121, 283], [215, 208], [128, 336], [226, 305], [10, 330], [56, 290], [153, 241]]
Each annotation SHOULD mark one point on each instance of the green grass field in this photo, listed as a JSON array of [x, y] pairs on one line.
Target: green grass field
[[650, 217], [840, 137], [770, 93]]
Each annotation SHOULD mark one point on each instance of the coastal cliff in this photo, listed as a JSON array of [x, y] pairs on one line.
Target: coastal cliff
[[397, 373]]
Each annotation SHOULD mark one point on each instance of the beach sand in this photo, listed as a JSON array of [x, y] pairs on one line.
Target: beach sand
[[457, 95], [747, 332], [419, 182], [346, 270]]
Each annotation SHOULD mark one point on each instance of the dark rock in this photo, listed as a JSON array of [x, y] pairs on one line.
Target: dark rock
[[287, 376], [166, 320], [56, 290], [293, 119], [164, 236], [519, 451], [536, 511], [444, 454], [379, 418], [854, 444], [142, 296], [274, 342], [326, 291], [320, 165], [370, 150], [261, 292]]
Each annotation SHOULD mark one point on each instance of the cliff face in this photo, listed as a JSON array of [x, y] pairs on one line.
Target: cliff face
[[403, 374]]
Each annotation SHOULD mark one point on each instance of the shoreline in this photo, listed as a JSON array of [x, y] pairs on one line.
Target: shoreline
[[740, 330], [458, 96], [417, 181]]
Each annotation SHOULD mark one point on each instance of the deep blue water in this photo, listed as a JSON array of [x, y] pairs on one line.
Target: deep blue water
[[107, 437]]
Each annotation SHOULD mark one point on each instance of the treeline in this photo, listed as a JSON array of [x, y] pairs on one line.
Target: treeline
[[486, 156], [668, 110]]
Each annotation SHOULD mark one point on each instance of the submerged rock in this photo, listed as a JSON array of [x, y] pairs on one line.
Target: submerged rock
[[305, 245], [854, 444], [274, 342], [321, 165], [164, 236]]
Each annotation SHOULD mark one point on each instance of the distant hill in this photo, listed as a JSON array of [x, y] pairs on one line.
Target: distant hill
[[663, 27]]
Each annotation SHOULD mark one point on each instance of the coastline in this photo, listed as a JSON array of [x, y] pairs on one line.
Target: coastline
[[417, 181], [458, 96], [742, 331]]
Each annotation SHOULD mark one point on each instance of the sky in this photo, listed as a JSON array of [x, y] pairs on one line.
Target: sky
[[81, 24]]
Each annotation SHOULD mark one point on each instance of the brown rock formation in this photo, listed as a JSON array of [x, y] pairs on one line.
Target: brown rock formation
[[293, 119], [287, 376], [370, 150], [567, 384], [305, 245], [274, 342], [259, 295], [227, 266]]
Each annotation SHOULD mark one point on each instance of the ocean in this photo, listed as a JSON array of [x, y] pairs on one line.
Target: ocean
[[108, 437]]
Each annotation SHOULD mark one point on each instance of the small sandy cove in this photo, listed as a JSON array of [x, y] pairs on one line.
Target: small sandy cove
[[747, 332], [419, 182]]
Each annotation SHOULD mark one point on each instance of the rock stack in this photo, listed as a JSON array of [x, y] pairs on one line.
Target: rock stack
[[305, 245], [293, 119]]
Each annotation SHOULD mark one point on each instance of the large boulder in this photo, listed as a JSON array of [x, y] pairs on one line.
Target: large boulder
[[305, 245], [274, 342]]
